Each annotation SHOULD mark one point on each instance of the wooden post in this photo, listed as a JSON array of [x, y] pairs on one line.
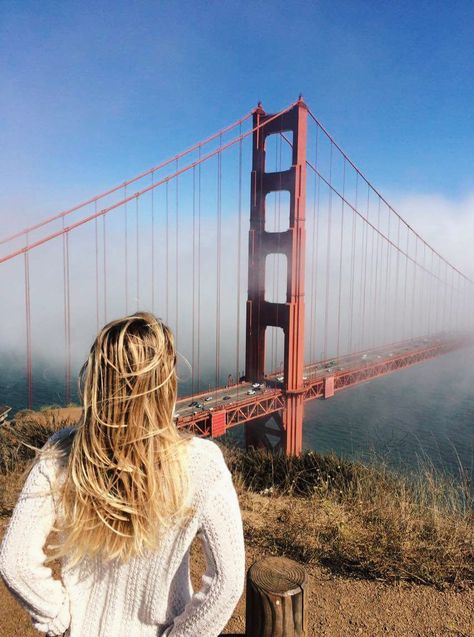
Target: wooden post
[[276, 589]]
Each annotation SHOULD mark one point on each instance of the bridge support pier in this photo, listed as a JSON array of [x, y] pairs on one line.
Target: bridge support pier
[[265, 433], [293, 424], [261, 313], [280, 431]]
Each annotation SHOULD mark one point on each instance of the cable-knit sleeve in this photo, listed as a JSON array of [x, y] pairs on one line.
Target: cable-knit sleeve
[[22, 556], [210, 608]]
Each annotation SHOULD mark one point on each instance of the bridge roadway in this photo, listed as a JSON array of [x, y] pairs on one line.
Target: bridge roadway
[[212, 412]]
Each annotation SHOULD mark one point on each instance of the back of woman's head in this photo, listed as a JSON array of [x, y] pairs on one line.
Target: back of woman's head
[[125, 480]]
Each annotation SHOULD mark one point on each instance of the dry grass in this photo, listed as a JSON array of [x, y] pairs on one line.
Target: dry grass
[[18, 441], [357, 520]]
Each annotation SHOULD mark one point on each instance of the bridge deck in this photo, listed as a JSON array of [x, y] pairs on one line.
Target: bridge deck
[[204, 413]]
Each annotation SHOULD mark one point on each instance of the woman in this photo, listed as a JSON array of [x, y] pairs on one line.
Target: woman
[[127, 493]]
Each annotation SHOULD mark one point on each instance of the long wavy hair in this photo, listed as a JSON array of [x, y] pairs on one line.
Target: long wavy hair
[[125, 476]]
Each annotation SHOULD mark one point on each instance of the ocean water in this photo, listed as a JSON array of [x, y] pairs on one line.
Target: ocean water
[[417, 416], [423, 414]]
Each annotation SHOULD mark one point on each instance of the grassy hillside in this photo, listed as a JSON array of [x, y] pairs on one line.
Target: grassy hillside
[[355, 520]]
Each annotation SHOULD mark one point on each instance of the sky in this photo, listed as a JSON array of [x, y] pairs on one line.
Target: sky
[[95, 92]]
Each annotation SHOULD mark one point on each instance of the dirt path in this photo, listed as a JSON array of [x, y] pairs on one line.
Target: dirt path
[[336, 607]]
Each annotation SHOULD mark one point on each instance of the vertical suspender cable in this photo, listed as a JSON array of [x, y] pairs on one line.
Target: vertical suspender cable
[[422, 304], [405, 290], [29, 363], [361, 282], [239, 263], [199, 279], [361, 288], [387, 280], [462, 311], [425, 284], [167, 253], [451, 304], [328, 259], [457, 299], [437, 298], [396, 312], [353, 248], [137, 224], [125, 220], [468, 311], [316, 276], [341, 247], [431, 314], [414, 295], [365, 258], [218, 266], [436, 290], [68, 300], [370, 292], [177, 256], [67, 319], [428, 291], [445, 299], [466, 296], [193, 298], [104, 263], [96, 222], [312, 356], [377, 299], [153, 243]]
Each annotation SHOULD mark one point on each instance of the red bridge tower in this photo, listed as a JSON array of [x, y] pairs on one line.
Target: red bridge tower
[[288, 316]]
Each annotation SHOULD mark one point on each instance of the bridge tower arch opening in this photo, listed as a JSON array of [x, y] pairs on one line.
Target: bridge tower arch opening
[[288, 315]]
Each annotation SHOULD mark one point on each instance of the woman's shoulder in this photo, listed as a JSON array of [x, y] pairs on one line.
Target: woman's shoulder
[[206, 447], [206, 456]]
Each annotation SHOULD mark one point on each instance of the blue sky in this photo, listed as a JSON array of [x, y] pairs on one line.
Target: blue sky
[[94, 92]]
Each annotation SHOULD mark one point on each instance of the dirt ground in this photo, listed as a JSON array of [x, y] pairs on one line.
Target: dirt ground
[[336, 607]]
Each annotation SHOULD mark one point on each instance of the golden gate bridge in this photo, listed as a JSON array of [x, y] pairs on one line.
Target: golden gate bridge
[[322, 287]]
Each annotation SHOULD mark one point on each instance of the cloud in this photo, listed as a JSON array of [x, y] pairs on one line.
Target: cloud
[[446, 224]]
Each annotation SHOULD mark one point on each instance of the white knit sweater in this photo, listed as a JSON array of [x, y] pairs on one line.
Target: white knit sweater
[[150, 596]]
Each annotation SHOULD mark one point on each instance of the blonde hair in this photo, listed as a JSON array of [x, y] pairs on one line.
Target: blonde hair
[[125, 477]]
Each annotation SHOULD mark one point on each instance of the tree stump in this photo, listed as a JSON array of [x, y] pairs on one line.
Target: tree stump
[[275, 599]]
